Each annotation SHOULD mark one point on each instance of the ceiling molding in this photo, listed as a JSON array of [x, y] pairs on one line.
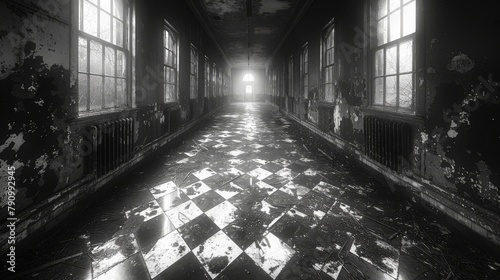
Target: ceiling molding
[[205, 24], [290, 26]]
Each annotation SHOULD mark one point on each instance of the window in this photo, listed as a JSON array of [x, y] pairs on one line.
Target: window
[[304, 71], [102, 55], [170, 64], [214, 80], [219, 82], [194, 73], [394, 59], [328, 62], [207, 77], [248, 89], [290, 76]]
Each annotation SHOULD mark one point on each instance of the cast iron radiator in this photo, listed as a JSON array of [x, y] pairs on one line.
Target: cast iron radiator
[[112, 145], [388, 142]]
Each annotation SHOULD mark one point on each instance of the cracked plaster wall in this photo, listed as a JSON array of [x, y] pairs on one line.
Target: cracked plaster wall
[[42, 139], [456, 147]]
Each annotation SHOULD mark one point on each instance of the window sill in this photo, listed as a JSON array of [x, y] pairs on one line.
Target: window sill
[[393, 113], [100, 116]]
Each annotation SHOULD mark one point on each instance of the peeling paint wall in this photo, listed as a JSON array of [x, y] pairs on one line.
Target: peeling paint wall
[[44, 139], [461, 136], [456, 133]]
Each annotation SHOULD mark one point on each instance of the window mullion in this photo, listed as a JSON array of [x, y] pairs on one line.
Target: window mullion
[[88, 75]]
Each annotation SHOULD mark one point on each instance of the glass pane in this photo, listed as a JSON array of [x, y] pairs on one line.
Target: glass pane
[[121, 64], [95, 92], [93, 2], [406, 90], [329, 92], [90, 18], [395, 25], [390, 91], [406, 1], [109, 93], [109, 61], [95, 57], [329, 59], [117, 32], [118, 9], [82, 54], [106, 5], [406, 56], [330, 41], [379, 62], [121, 92], [379, 91], [382, 32], [409, 18], [382, 8], [83, 92], [105, 26], [391, 61], [394, 4]]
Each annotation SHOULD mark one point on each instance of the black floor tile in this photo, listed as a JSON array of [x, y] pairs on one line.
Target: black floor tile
[[198, 230]]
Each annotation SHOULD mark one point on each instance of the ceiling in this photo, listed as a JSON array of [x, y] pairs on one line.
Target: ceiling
[[248, 37]]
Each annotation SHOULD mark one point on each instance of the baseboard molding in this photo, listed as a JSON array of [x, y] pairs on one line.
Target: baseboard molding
[[41, 216], [465, 212]]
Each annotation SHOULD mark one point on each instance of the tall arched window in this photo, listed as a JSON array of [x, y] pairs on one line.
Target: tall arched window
[[248, 78]]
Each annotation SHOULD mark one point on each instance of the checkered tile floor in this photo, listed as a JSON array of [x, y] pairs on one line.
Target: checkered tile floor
[[253, 196], [246, 201]]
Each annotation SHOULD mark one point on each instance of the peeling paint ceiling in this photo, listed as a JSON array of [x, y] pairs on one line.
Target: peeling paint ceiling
[[248, 41]]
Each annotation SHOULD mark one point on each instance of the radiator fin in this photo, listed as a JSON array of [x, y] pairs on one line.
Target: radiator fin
[[388, 142]]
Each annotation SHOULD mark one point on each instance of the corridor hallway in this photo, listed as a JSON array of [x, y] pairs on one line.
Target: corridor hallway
[[253, 195]]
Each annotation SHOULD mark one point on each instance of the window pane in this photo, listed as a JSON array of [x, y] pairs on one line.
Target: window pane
[[109, 61], [83, 92], [105, 26], [95, 92], [391, 60], [121, 92], [121, 63], [95, 58], [406, 56], [329, 92], [106, 5], [395, 25], [394, 4], [109, 93], [89, 18], [82, 55], [390, 91], [118, 9], [379, 91], [382, 32], [329, 57], [330, 42], [117, 32], [406, 90], [409, 18], [382, 8], [379, 62]]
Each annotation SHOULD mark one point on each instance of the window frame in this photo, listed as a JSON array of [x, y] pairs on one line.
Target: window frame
[[126, 48], [193, 77], [167, 27], [415, 38], [207, 77], [304, 70], [325, 33], [290, 76]]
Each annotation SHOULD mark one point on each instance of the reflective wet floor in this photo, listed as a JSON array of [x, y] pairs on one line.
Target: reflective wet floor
[[252, 195]]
